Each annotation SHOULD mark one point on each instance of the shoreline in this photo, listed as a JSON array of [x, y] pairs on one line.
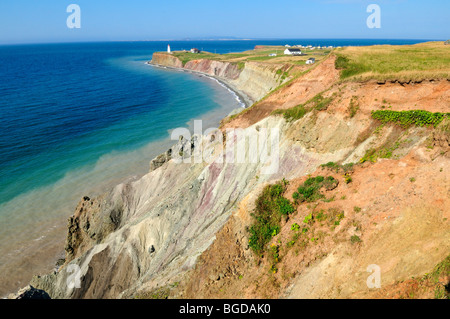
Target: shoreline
[[241, 96]]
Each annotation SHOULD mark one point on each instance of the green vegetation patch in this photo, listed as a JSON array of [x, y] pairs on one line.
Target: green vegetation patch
[[185, 57], [270, 207], [355, 239], [241, 65], [438, 281], [408, 118], [349, 68], [353, 107], [417, 62], [321, 103], [318, 102], [440, 272], [294, 113], [310, 191], [346, 168]]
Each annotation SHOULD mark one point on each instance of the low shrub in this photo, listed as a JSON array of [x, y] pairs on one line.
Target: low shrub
[[270, 207], [310, 190], [355, 239], [408, 118]]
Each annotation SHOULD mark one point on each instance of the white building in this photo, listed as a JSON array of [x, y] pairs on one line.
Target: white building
[[292, 51], [168, 48], [311, 61]]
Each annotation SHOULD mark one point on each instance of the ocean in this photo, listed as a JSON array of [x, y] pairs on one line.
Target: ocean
[[79, 118]]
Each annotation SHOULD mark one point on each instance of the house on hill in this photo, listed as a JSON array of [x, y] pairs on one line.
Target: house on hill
[[292, 51], [195, 50], [311, 61]]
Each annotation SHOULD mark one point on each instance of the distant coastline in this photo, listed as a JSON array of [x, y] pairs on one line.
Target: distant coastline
[[240, 96]]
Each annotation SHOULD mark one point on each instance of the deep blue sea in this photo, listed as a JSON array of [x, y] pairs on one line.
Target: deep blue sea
[[78, 118]]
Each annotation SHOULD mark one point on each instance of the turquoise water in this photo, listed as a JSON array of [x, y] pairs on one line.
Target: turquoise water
[[77, 119]]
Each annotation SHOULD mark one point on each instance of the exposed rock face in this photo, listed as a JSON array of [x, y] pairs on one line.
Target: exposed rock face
[[30, 292], [160, 160], [182, 149], [224, 70], [167, 60], [92, 222], [257, 79], [162, 228]]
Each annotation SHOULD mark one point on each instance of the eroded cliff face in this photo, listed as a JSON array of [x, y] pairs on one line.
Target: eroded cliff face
[[168, 218], [257, 79], [395, 208], [166, 60], [254, 79]]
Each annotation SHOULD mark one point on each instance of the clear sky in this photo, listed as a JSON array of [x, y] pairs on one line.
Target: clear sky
[[25, 21]]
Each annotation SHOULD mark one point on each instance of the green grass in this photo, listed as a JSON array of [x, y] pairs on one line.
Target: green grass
[[261, 58], [185, 57], [309, 191], [258, 55], [348, 179], [318, 102], [321, 103], [241, 65], [440, 271], [261, 55], [158, 293], [372, 155], [346, 168], [409, 118], [294, 113], [355, 239], [422, 61], [353, 107], [270, 207]]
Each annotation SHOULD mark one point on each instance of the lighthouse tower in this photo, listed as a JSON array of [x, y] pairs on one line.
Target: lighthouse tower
[[168, 48]]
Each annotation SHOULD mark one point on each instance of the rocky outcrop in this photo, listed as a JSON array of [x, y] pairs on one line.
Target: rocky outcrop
[[166, 60], [182, 149], [92, 222], [29, 293]]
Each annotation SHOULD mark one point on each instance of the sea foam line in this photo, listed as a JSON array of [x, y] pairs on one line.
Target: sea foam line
[[221, 83], [236, 96]]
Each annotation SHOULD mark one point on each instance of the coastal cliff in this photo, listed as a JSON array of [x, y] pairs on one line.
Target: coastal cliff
[[182, 230], [253, 79]]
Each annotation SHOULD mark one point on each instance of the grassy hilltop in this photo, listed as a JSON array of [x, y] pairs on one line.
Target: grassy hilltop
[[260, 53], [430, 60]]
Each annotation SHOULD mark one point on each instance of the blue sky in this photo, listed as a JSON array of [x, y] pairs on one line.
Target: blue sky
[[31, 21]]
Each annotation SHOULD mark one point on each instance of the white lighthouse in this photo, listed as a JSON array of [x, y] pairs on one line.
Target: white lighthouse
[[168, 48]]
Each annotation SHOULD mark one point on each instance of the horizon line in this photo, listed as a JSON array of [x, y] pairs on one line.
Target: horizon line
[[210, 39]]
